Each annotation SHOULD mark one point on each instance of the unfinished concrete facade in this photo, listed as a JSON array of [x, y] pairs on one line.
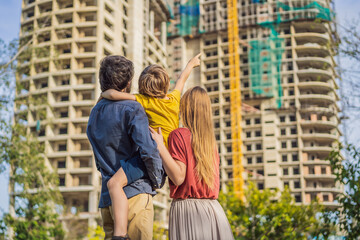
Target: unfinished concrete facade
[[287, 74], [72, 36]]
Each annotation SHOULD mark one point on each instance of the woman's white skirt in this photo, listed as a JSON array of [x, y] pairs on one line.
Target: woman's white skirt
[[198, 219]]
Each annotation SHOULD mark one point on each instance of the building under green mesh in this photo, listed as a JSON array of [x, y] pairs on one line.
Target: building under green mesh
[[319, 11], [189, 18], [265, 59], [265, 56]]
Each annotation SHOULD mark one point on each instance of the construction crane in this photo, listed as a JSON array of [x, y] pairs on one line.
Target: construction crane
[[235, 98]]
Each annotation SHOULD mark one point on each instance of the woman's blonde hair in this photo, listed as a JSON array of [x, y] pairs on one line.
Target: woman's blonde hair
[[154, 81], [195, 114]]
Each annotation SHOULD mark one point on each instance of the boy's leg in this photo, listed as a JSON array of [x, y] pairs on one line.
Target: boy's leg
[[131, 170], [141, 217], [119, 201]]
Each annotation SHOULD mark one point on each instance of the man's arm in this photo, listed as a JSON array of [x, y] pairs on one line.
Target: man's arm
[[138, 130]]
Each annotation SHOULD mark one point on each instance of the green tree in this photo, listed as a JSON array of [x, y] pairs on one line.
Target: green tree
[[33, 206], [95, 233], [350, 39], [32, 213], [159, 231], [269, 214], [347, 172]]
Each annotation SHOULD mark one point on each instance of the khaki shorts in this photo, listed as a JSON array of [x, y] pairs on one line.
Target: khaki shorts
[[140, 218]]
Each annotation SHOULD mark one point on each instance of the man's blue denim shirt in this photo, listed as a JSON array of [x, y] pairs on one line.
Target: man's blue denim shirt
[[119, 131]]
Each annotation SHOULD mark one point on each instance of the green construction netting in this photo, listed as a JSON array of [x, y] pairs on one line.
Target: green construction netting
[[312, 10], [265, 59], [265, 56], [170, 10], [314, 7], [189, 18], [259, 1]]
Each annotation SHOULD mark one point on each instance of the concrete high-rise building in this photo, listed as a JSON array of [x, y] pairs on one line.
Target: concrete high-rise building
[[68, 39], [288, 82]]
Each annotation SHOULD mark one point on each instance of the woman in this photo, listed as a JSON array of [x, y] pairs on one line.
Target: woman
[[192, 164]]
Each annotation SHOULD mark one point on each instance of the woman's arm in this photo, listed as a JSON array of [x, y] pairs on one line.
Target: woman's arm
[[112, 94], [194, 62], [175, 169]]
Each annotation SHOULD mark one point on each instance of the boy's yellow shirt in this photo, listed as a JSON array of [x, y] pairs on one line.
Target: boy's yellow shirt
[[163, 113]]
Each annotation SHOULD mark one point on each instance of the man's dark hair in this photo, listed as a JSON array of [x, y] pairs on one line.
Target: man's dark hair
[[115, 72]]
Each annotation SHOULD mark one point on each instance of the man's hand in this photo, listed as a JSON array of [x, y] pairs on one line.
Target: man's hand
[[195, 61], [157, 136]]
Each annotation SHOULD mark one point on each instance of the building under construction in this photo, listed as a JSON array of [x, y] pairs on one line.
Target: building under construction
[[285, 82], [69, 38], [268, 66]]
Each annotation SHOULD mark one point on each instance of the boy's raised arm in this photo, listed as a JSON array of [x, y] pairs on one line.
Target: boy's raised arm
[[112, 94], [194, 62]]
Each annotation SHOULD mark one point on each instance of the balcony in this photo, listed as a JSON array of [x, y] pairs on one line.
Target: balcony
[[323, 177], [64, 20], [64, 35], [83, 170], [325, 86], [29, 4], [323, 149], [312, 50], [320, 137], [310, 72], [311, 37], [65, 4], [44, 22], [45, 8], [315, 62], [313, 27], [319, 123], [85, 153], [332, 110], [86, 18], [316, 162], [87, 3], [76, 189], [317, 98], [28, 15]]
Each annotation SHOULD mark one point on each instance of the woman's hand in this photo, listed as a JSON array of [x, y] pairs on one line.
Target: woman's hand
[[157, 136]]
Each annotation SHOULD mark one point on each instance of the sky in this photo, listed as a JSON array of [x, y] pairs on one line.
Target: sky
[[10, 10]]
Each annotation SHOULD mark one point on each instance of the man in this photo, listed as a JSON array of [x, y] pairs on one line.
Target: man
[[119, 131]]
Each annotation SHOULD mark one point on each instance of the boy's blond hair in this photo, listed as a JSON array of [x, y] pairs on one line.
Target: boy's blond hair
[[154, 81]]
